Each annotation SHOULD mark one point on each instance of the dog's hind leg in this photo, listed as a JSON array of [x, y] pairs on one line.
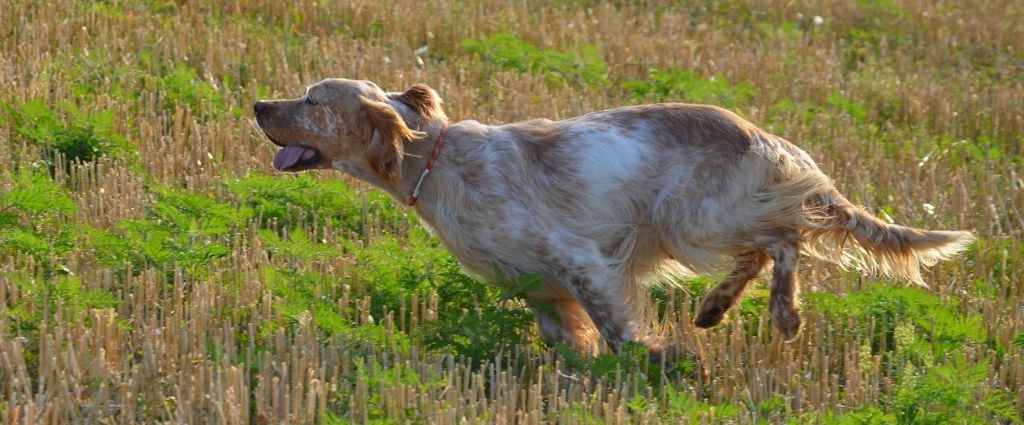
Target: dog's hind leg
[[782, 303], [722, 297]]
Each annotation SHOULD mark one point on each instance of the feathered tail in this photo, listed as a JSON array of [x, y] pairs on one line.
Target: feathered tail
[[892, 250], [836, 230]]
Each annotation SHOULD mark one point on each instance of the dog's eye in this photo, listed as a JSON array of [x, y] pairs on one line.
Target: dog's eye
[[310, 101]]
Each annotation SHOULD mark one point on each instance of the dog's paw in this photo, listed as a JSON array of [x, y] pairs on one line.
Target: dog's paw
[[711, 313], [787, 322]]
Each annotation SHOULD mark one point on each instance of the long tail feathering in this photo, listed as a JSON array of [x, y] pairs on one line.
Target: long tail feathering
[[892, 250], [836, 230]]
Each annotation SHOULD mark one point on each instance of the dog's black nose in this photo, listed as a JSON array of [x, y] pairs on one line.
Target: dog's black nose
[[260, 107]]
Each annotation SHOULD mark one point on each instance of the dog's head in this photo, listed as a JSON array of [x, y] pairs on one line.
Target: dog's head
[[349, 125]]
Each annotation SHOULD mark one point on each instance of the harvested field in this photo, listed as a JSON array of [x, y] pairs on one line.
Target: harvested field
[[154, 267]]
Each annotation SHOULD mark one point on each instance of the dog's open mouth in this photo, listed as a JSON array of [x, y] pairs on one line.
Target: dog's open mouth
[[295, 157]]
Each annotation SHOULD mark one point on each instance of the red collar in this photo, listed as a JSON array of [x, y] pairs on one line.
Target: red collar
[[430, 164]]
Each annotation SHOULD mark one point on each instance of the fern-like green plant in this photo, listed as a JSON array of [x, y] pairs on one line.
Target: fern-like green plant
[[34, 218], [952, 392], [479, 319], [944, 327], [291, 199], [80, 137], [39, 294], [183, 228], [300, 294], [684, 85], [580, 66], [38, 301], [681, 406], [298, 246], [182, 87]]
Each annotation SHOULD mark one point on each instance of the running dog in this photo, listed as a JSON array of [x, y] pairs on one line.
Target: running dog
[[594, 204]]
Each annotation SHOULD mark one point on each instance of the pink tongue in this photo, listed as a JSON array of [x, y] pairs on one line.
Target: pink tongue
[[291, 154]]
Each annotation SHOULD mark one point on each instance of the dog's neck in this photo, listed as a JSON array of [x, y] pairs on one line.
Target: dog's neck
[[417, 153], [409, 115]]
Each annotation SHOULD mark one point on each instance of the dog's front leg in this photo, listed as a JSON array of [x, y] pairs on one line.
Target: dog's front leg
[[563, 319], [614, 310]]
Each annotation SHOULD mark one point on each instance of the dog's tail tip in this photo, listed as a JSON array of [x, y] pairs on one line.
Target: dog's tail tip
[[892, 250]]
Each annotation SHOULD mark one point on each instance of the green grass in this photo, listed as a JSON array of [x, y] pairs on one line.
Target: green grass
[[581, 65], [154, 268], [686, 85]]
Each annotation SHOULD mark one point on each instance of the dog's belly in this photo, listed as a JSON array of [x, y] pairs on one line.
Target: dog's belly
[[528, 242]]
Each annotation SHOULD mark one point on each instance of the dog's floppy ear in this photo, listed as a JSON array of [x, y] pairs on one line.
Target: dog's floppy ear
[[424, 100], [385, 135]]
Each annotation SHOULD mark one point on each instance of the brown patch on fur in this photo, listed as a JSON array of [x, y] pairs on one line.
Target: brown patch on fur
[[543, 147], [706, 127], [425, 101], [562, 319], [543, 144], [385, 137], [717, 135]]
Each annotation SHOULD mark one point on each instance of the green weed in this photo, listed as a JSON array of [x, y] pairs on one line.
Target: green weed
[[684, 85], [298, 247], [632, 360], [479, 320], [41, 298], [77, 135], [41, 295], [947, 393], [291, 200], [855, 110], [182, 87], [580, 66], [376, 375], [181, 228], [305, 295], [879, 20], [889, 305], [682, 406], [33, 219], [952, 392]]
